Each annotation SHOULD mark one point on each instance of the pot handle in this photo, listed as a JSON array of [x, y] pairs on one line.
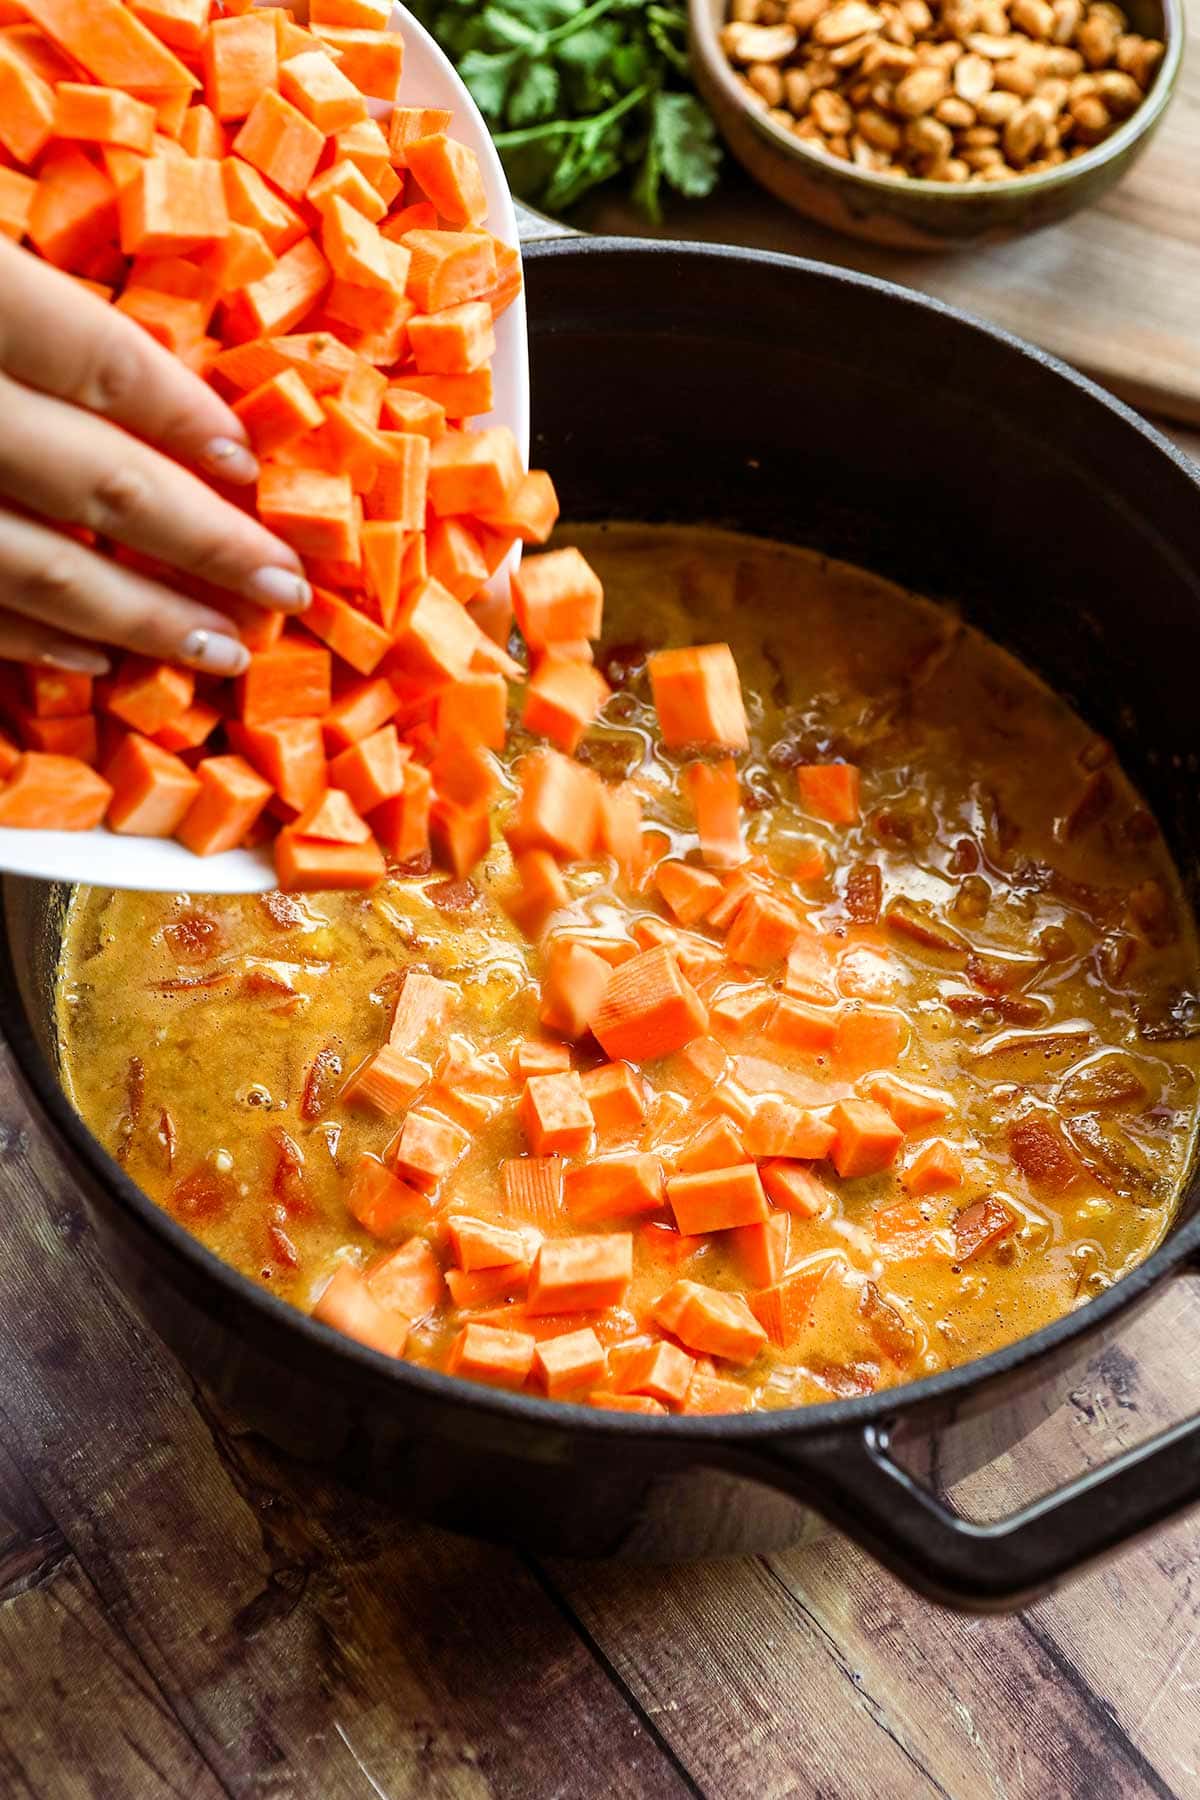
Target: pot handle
[[859, 1486]]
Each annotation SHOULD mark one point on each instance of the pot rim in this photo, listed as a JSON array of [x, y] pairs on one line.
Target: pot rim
[[671, 1431]]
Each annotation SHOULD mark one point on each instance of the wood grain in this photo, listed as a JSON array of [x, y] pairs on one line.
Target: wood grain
[[1113, 289], [84, 1711]]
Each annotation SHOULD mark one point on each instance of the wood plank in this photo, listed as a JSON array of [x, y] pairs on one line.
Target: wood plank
[[800, 1673], [1148, 1668], [310, 1643], [1112, 290], [83, 1721]]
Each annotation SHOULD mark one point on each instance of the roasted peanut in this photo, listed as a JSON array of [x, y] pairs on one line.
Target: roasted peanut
[[1119, 92], [766, 80], [848, 56], [802, 15], [1097, 38], [955, 112], [977, 90], [880, 131], [973, 77], [758, 43], [920, 92], [1092, 118], [1024, 132], [797, 91], [928, 137], [1016, 76], [996, 107], [849, 19], [831, 112]]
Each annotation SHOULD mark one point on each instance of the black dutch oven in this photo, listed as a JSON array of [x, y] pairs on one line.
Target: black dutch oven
[[679, 383]]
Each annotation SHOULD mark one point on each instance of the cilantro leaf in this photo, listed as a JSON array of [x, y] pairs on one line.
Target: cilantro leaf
[[533, 97], [577, 92], [686, 141], [488, 75]]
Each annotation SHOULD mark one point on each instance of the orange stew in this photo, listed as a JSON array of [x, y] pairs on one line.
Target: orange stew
[[842, 1048]]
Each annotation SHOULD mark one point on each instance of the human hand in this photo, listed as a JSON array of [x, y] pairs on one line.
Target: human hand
[[98, 427]]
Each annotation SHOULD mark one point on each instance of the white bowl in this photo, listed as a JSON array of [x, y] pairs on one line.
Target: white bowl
[[102, 857]]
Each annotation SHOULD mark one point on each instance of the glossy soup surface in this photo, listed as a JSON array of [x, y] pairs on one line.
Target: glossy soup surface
[[205, 1041]]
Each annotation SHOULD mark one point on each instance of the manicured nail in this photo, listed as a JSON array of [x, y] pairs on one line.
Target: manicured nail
[[279, 587], [77, 658], [214, 653], [230, 460]]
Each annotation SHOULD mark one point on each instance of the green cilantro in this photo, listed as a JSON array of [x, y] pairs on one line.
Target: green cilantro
[[577, 94]]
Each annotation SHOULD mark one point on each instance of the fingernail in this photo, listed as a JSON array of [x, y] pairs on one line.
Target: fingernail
[[230, 460], [214, 653], [279, 587], [79, 660]]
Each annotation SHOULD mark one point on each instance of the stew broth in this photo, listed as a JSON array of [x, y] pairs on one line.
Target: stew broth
[[1003, 915]]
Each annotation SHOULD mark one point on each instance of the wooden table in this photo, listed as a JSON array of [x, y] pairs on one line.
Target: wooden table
[[183, 1613]]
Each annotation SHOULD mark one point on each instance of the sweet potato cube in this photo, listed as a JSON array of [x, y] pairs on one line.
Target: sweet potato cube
[[830, 791], [316, 86], [715, 1394], [935, 1169], [795, 1189], [173, 206], [562, 1364], [382, 1203], [486, 1353], [648, 1009], [653, 1367], [687, 890], [616, 1095], [909, 1106], [278, 141], [230, 798], [152, 789], [614, 1187], [717, 1145], [867, 1138], [557, 806], [763, 932], [349, 1306], [717, 1199], [533, 1189], [797, 1026], [710, 1322], [482, 1244], [562, 699], [48, 791], [555, 1115], [762, 1249], [581, 1274], [408, 1280], [785, 1308], [388, 1081], [148, 695], [427, 1149], [698, 697], [557, 598]]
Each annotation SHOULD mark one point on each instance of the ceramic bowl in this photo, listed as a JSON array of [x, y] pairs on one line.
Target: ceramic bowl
[[915, 214]]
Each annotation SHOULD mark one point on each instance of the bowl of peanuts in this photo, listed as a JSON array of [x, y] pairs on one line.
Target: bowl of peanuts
[[935, 124]]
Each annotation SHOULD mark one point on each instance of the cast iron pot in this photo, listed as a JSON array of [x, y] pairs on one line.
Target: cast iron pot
[[794, 400]]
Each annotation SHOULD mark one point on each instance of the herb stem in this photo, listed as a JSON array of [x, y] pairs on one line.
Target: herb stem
[[597, 10], [530, 134]]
